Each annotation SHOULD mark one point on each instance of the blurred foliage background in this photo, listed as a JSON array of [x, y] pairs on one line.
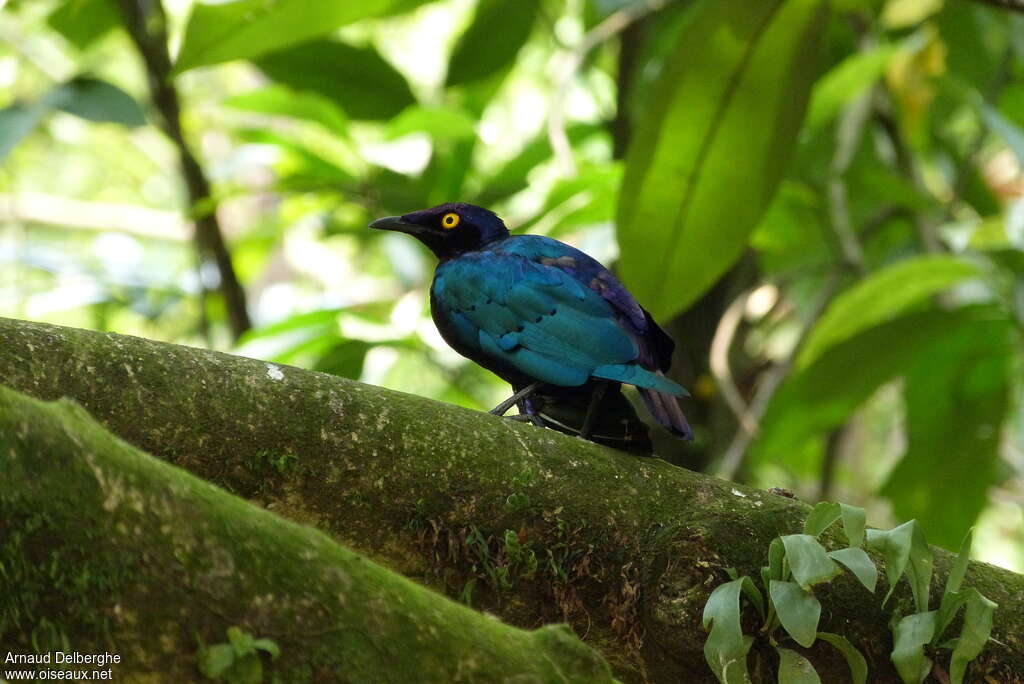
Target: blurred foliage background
[[823, 205]]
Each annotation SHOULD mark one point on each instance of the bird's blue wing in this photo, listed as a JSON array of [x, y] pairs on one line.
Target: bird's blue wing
[[519, 306]]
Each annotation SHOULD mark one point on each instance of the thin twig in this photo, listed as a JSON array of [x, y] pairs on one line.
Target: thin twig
[[732, 461], [146, 23], [1012, 5], [721, 343], [601, 33]]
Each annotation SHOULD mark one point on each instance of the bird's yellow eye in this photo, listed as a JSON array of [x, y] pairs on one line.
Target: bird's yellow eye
[[449, 220]]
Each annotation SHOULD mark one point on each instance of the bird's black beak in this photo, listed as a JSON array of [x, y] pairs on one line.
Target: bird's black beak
[[396, 223]]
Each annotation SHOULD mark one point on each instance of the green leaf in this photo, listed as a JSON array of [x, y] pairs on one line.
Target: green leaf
[[776, 555], [821, 518], [951, 597], [973, 636], [957, 395], [714, 131], [847, 80], [798, 611], [83, 22], [854, 658], [241, 641], [854, 519], [249, 28], [823, 395], [1006, 129], [16, 122], [726, 648], [795, 669], [96, 100], [881, 297], [345, 359], [358, 80], [905, 550], [492, 41], [215, 660], [438, 122], [909, 638], [859, 563], [268, 646], [282, 100], [808, 560]]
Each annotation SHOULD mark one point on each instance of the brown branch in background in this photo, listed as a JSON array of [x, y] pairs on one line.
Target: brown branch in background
[[146, 23]]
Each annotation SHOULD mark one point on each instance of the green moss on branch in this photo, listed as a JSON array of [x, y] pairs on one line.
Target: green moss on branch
[[106, 549]]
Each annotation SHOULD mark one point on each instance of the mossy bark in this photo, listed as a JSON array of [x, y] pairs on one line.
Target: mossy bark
[[524, 522], [106, 549]]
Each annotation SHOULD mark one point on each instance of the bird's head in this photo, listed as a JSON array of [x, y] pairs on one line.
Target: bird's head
[[448, 229]]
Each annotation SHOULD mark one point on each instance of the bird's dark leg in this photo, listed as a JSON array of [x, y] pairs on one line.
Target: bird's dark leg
[[504, 406], [595, 401]]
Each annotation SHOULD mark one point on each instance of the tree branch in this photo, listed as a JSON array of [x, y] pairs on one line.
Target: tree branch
[[147, 25], [148, 561], [529, 524]]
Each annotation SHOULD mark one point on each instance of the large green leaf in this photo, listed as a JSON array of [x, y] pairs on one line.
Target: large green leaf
[[859, 563], [359, 80], [957, 394], [707, 157], [223, 31], [881, 297], [492, 41]]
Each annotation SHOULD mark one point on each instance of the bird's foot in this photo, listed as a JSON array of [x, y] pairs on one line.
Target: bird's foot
[[502, 408]]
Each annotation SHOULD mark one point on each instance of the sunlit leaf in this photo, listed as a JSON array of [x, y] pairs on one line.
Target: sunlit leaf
[[707, 157], [83, 22], [795, 669], [854, 658], [881, 297], [492, 41], [798, 610], [957, 395], [973, 636], [244, 29], [909, 638], [845, 81], [726, 648], [438, 122], [283, 101], [358, 80], [859, 563]]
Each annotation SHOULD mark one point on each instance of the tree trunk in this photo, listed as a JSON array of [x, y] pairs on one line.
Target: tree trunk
[[104, 549], [523, 522]]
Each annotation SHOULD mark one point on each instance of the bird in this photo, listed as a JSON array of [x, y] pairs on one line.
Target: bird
[[551, 321]]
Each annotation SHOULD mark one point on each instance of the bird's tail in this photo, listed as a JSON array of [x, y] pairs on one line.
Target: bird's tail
[[665, 409]]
